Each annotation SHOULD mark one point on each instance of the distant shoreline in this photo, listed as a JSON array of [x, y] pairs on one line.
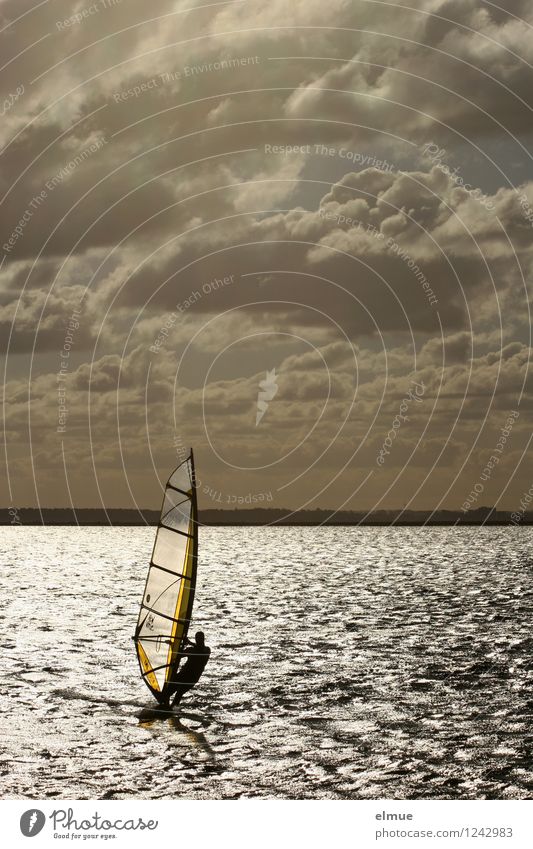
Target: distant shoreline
[[86, 517]]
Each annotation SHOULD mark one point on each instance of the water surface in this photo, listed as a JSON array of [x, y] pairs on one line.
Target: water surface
[[346, 663]]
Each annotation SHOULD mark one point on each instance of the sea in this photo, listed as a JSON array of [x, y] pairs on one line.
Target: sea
[[347, 663]]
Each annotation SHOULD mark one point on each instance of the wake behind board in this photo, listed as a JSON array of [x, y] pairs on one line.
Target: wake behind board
[[74, 695], [152, 712]]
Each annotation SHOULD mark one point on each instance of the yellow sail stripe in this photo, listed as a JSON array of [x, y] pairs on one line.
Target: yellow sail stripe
[[175, 637], [147, 667]]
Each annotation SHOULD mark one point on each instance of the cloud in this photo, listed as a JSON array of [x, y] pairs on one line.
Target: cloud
[[358, 173]]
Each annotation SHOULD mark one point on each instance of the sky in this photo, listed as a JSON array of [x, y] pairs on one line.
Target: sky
[[295, 236]]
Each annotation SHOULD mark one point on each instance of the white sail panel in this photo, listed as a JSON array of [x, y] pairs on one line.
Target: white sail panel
[[169, 550], [181, 478], [176, 512]]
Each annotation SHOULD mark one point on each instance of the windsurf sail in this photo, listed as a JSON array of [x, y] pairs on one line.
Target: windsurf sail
[[166, 605]]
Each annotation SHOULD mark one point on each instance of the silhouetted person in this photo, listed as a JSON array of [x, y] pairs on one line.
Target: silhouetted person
[[196, 657]]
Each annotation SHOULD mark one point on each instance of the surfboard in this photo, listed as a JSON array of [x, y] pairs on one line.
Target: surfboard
[[157, 713], [149, 714]]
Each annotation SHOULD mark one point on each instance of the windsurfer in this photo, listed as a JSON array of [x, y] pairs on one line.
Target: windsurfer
[[196, 656]]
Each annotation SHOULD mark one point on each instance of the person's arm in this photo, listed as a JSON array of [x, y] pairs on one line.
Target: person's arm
[[186, 650]]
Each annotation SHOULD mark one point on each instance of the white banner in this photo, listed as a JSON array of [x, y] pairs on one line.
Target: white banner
[[250, 823]]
